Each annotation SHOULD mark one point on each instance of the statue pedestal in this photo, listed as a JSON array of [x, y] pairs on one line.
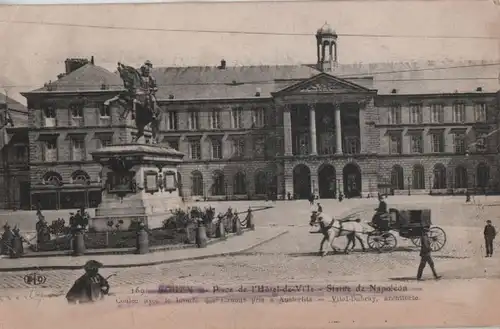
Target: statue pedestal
[[140, 183]]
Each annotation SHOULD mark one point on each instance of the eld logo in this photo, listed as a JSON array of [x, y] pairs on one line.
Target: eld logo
[[34, 279]]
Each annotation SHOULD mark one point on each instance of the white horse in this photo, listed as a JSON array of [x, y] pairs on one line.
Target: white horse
[[332, 229]]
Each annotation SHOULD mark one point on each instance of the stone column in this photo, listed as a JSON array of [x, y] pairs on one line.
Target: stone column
[[287, 133], [338, 130], [312, 128]]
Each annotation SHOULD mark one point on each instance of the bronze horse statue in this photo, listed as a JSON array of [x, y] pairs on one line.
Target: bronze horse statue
[[138, 99]]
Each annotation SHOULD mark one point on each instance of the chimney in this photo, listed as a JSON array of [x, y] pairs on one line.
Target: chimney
[[92, 60], [73, 64], [222, 64]]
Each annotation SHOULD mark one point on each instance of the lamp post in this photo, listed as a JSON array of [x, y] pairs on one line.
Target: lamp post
[[430, 184], [409, 186]]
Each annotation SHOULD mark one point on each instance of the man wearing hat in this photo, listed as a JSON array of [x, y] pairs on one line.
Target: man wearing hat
[[425, 255], [90, 287], [489, 236]]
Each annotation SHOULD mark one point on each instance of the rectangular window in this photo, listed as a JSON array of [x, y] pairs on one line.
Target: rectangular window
[[104, 115], [239, 147], [437, 113], [351, 145], [104, 140], [21, 153], [195, 149], [50, 150], [416, 143], [236, 117], [77, 149], [481, 141], [77, 112], [77, 115], [459, 143], [216, 148], [49, 114], [395, 114], [173, 143], [258, 117], [480, 112], [193, 120], [416, 114], [395, 144], [458, 113], [259, 147], [437, 144], [214, 119], [171, 119], [104, 111]]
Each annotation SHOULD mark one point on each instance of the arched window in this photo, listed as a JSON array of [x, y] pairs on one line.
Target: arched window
[[461, 177], [483, 175], [418, 177], [240, 186], [52, 178], [260, 183], [218, 186], [196, 183], [80, 177], [397, 178], [439, 177]]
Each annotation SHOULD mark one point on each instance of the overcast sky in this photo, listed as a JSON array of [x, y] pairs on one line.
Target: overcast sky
[[32, 54]]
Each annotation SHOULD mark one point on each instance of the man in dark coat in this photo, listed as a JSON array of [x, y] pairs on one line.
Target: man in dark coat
[[380, 212], [489, 236], [90, 287], [425, 255]]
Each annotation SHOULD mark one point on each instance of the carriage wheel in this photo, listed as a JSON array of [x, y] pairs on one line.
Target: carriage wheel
[[375, 241], [416, 241], [390, 242], [437, 237]]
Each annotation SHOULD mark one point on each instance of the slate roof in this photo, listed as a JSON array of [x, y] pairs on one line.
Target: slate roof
[[87, 78], [18, 112], [242, 82], [409, 78]]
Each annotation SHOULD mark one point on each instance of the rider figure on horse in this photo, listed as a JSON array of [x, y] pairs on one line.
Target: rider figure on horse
[[148, 83], [148, 88]]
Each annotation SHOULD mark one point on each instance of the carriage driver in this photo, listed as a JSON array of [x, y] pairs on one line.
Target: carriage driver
[[380, 212]]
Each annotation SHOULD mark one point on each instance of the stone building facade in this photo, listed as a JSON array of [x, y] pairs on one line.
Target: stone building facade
[[14, 154], [259, 131]]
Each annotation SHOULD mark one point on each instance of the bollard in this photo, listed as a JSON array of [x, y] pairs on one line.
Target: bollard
[[237, 225], [201, 236], [249, 220], [221, 230], [190, 233], [78, 242], [142, 240], [16, 249]]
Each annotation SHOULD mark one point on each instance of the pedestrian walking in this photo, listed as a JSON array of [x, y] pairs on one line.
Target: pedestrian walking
[[311, 199], [489, 236], [425, 255]]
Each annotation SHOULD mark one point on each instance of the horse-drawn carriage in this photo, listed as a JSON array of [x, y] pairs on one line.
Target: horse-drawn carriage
[[409, 223]]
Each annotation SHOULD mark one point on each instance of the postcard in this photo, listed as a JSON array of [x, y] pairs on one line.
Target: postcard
[[307, 164]]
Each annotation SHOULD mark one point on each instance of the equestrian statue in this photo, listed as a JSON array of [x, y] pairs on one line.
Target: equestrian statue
[[139, 98]]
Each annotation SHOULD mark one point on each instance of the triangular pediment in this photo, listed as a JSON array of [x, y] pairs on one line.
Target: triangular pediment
[[324, 83]]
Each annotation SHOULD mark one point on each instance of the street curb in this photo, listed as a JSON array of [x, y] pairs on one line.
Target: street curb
[[153, 263]]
